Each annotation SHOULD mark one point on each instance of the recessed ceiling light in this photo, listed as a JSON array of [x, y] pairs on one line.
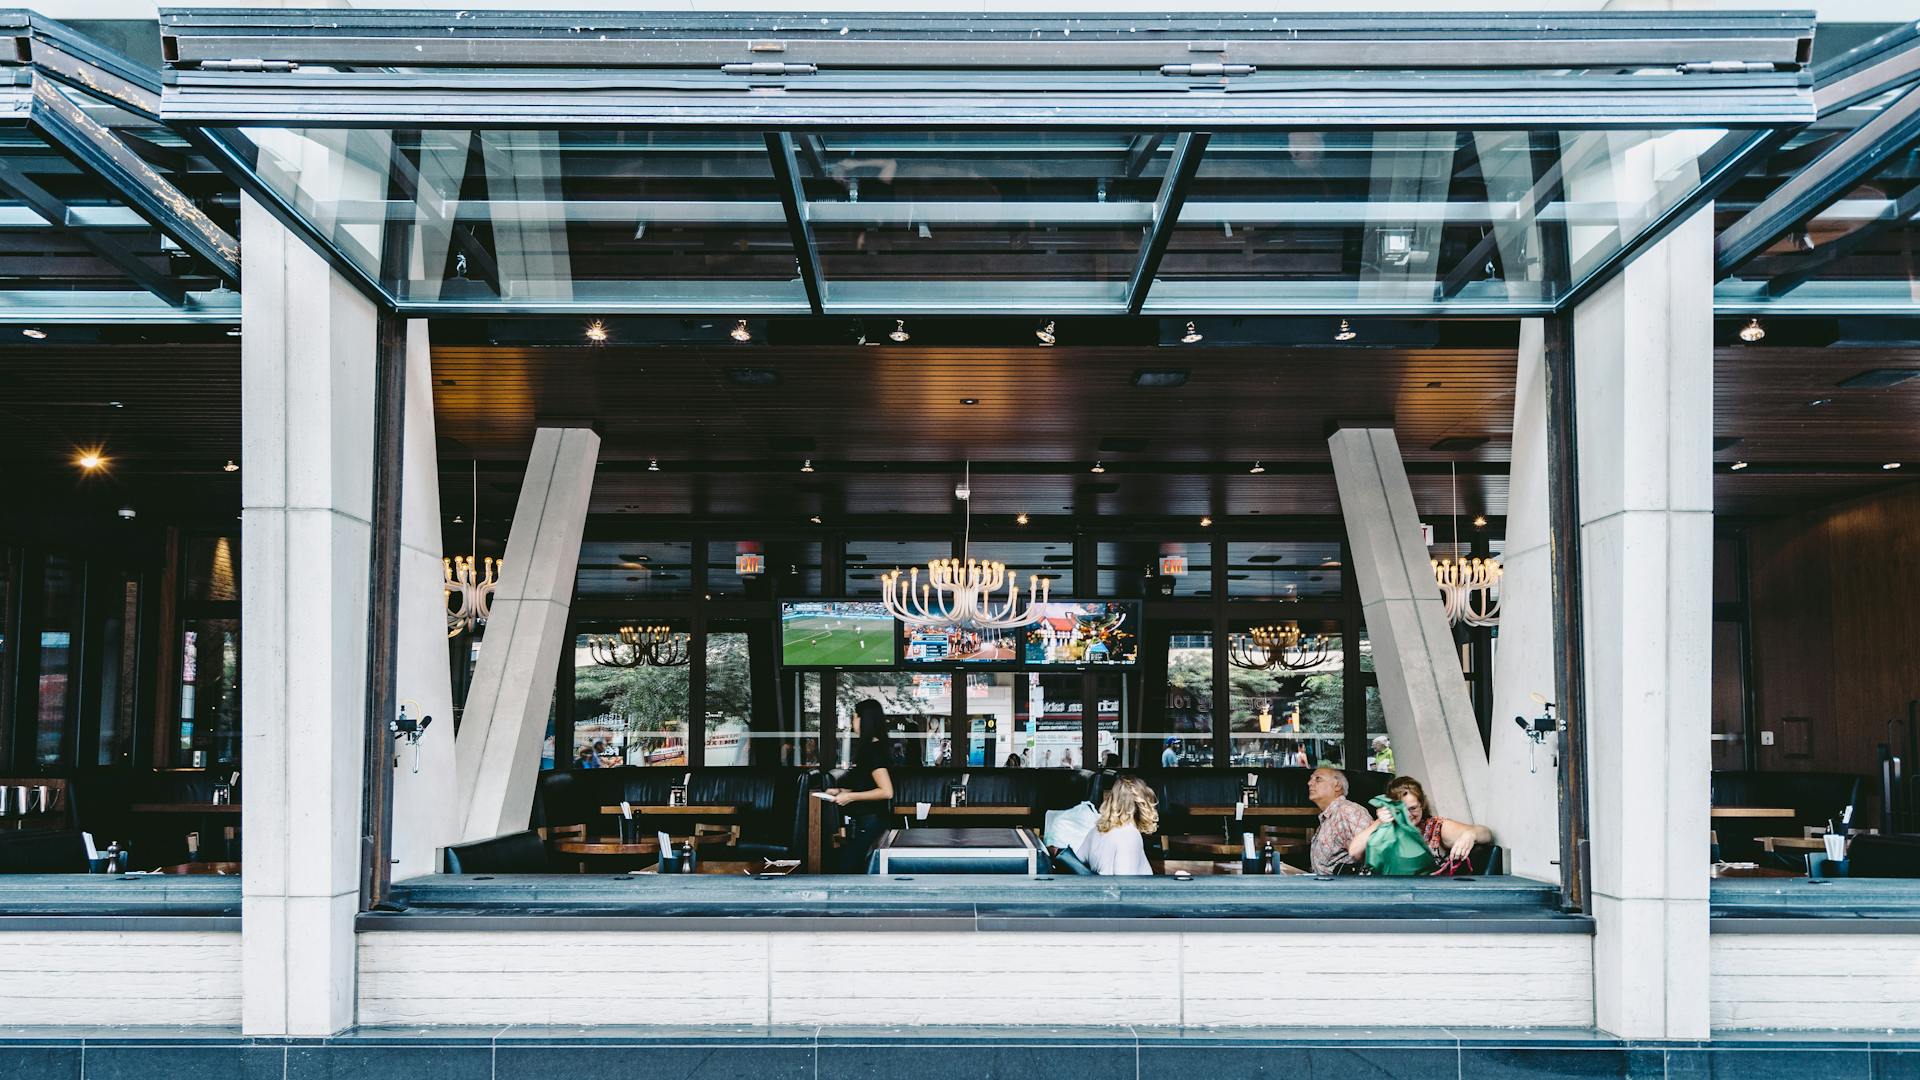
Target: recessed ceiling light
[[899, 331], [1020, 518], [1753, 331], [1891, 465], [740, 331], [1098, 467], [1738, 465], [807, 465], [1046, 334], [1205, 521], [1479, 521], [969, 401], [1257, 469], [1345, 333], [1192, 335], [815, 519], [90, 460], [597, 332], [230, 466], [35, 333]]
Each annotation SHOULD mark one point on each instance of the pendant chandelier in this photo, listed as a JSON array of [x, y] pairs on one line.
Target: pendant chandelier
[[959, 593], [640, 646], [1281, 645], [1467, 585], [466, 592]]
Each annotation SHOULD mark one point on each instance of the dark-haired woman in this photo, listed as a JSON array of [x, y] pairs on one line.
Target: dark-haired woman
[[867, 794]]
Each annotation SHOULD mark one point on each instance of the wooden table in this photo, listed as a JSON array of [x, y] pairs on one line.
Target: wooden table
[[1723, 812], [1792, 843], [608, 848], [1755, 872], [185, 808], [941, 810], [1252, 811], [677, 811], [1207, 845], [225, 869]]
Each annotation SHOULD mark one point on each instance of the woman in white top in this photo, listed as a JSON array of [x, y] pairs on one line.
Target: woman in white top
[[1116, 845]]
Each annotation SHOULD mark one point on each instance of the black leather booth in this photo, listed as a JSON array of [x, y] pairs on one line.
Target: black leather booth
[[43, 851], [772, 800], [1038, 790], [1896, 856], [1178, 789], [514, 853]]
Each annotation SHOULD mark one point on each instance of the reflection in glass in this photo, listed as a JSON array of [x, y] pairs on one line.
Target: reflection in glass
[[633, 569], [1290, 718], [208, 730], [1050, 730], [1188, 740], [729, 701], [1379, 745], [628, 716], [1283, 570], [918, 705], [993, 737], [57, 685], [119, 640]]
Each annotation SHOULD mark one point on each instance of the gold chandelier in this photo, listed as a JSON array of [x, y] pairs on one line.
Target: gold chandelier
[[640, 646], [959, 593], [1280, 645]]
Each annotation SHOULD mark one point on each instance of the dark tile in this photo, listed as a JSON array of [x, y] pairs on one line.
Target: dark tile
[[155, 1061], [677, 1061], [40, 1062], [656, 1035], [1549, 1063], [1226, 1061], [1767, 1063], [1011, 1060], [354, 1061], [1896, 1064]]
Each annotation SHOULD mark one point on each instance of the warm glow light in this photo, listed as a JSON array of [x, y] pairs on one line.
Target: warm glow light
[[1020, 518], [1192, 335], [596, 331], [1345, 333], [899, 331], [1173, 566], [230, 466], [1479, 521], [1738, 465], [1257, 469], [1045, 334], [807, 465], [1891, 465], [1205, 521], [1099, 467], [1753, 331], [90, 460], [740, 331], [35, 333]]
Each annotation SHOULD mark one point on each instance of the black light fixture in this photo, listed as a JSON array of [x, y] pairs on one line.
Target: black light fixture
[[740, 331], [1753, 331], [1738, 465], [815, 519], [653, 464], [1192, 336], [1345, 333], [230, 466], [1257, 469], [1098, 467], [899, 331], [1046, 334], [807, 465]]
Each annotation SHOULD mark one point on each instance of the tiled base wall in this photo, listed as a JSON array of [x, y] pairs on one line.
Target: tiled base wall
[[102, 977], [1863, 982], [619, 977]]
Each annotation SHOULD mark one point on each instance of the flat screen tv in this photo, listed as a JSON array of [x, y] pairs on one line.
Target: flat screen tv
[[837, 633], [1064, 633]]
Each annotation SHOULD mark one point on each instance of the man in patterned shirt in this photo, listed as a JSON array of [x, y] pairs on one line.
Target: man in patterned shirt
[[1340, 819]]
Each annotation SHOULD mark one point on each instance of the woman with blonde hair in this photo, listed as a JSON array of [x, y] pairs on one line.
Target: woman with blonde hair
[[1117, 845]]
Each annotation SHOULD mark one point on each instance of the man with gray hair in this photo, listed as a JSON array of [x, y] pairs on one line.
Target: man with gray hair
[[1341, 819]]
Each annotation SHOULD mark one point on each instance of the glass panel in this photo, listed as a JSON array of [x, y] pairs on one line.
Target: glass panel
[[58, 683], [212, 569], [632, 569], [208, 730], [1052, 561], [9, 572], [1286, 570], [918, 705], [1050, 728], [1350, 220], [730, 700], [868, 559], [664, 220], [628, 716], [1037, 216], [804, 707], [1113, 695], [1379, 745], [1290, 717], [119, 686], [993, 739], [751, 568], [1133, 568], [1188, 738]]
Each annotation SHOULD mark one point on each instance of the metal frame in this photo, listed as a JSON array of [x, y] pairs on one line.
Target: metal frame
[[793, 199], [1569, 610], [1187, 151]]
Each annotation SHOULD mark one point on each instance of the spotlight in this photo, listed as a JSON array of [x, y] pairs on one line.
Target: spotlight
[[90, 460], [815, 519], [116, 405], [899, 331], [1479, 521], [653, 464], [1891, 465], [807, 465], [126, 513], [740, 331], [1345, 333], [1045, 334], [1753, 331], [233, 331], [1738, 465], [969, 401], [35, 333], [230, 466], [1020, 518], [1192, 335], [1205, 521], [1099, 467], [1257, 469], [597, 332]]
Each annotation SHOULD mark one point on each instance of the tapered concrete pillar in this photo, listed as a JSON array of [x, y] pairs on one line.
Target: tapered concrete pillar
[[1430, 718], [505, 721], [425, 817], [307, 374], [1643, 354], [1523, 792]]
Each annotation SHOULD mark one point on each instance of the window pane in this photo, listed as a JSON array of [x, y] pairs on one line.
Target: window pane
[[993, 738], [212, 568], [1132, 568], [730, 700], [1052, 561], [119, 688], [751, 568], [1284, 717], [58, 683], [630, 569], [1379, 746], [9, 571], [209, 725], [1284, 570], [917, 704], [1188, 738], [1112, 695], [868, 559], [804, 710], [627, 715], [1051, 727]]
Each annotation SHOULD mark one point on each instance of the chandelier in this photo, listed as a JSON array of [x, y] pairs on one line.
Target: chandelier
[[640, 646], [960, 593], [468, 594], [1282, 645], [1467, 585]]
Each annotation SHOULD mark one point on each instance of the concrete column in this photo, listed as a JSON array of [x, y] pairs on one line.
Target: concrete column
[[1430, 719], [1523, 793], [498, 752], [1643, 356], [425, 817], [307, 376]]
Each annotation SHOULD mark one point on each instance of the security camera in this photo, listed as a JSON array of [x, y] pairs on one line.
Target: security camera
[[126, 513]]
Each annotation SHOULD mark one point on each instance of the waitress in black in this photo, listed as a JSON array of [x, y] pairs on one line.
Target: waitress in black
[[868, 794]]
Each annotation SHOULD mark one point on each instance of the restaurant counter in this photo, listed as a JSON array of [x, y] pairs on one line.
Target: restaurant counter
[[1799, 905]]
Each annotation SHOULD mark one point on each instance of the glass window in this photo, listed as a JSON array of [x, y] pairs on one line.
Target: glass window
[[1051, 731], [729, 702], [9, 572], [804, 713], [119, 683], [1284, 570], [1112, 694], [994, 738], [1379, 745], [1188, 736], [918, 705], [1051, 561], [636, 570], [1282, 715], [212, 570], [208, 730], [58, 684], [751, 568], [1134, 568], [868, 559], [627, 715]]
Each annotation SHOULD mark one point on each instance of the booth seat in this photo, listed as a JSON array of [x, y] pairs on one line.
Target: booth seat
[[1038, 790], [772, 800], [1178, 789], [43, 851], [514, 853]]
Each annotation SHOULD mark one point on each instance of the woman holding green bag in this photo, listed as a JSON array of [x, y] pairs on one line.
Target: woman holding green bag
[[1408, 838]]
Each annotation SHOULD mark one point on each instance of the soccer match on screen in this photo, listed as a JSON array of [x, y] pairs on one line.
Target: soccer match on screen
[[836, 634]]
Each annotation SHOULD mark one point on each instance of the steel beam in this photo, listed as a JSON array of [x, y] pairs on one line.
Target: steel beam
[[793, 199], [1887, 62], [1898, 213], [1564, 576], [105, 245], [1187, 151]]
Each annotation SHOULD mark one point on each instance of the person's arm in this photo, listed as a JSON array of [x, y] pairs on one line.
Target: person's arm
[[1357, 847], [882, 790], [1460, 836]]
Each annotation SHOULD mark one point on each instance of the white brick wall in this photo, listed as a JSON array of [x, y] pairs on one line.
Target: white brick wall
[[634, 977], [1853, 981], [105, 978]]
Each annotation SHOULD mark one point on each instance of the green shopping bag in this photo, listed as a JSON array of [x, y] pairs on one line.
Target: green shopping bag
[[1396, 848]]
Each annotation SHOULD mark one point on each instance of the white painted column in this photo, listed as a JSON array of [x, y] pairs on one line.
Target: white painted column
[[1643, 356], [1430, 718], [505, 721], [1523, 793], [425, 817], [307, 375]]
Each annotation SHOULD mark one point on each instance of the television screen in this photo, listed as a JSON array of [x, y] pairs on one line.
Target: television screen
[[837, 633], [1099, 633]]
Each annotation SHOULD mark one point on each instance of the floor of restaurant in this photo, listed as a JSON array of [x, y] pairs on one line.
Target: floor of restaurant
[[940, 1053]]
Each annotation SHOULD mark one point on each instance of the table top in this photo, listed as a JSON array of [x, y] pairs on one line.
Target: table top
[[677, 811], [220, 868], [1752, 812], [969, 810], [1755, 872], [1255, 811], [1793, 843], [642, 846], [185, 808], [1214, 845]]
